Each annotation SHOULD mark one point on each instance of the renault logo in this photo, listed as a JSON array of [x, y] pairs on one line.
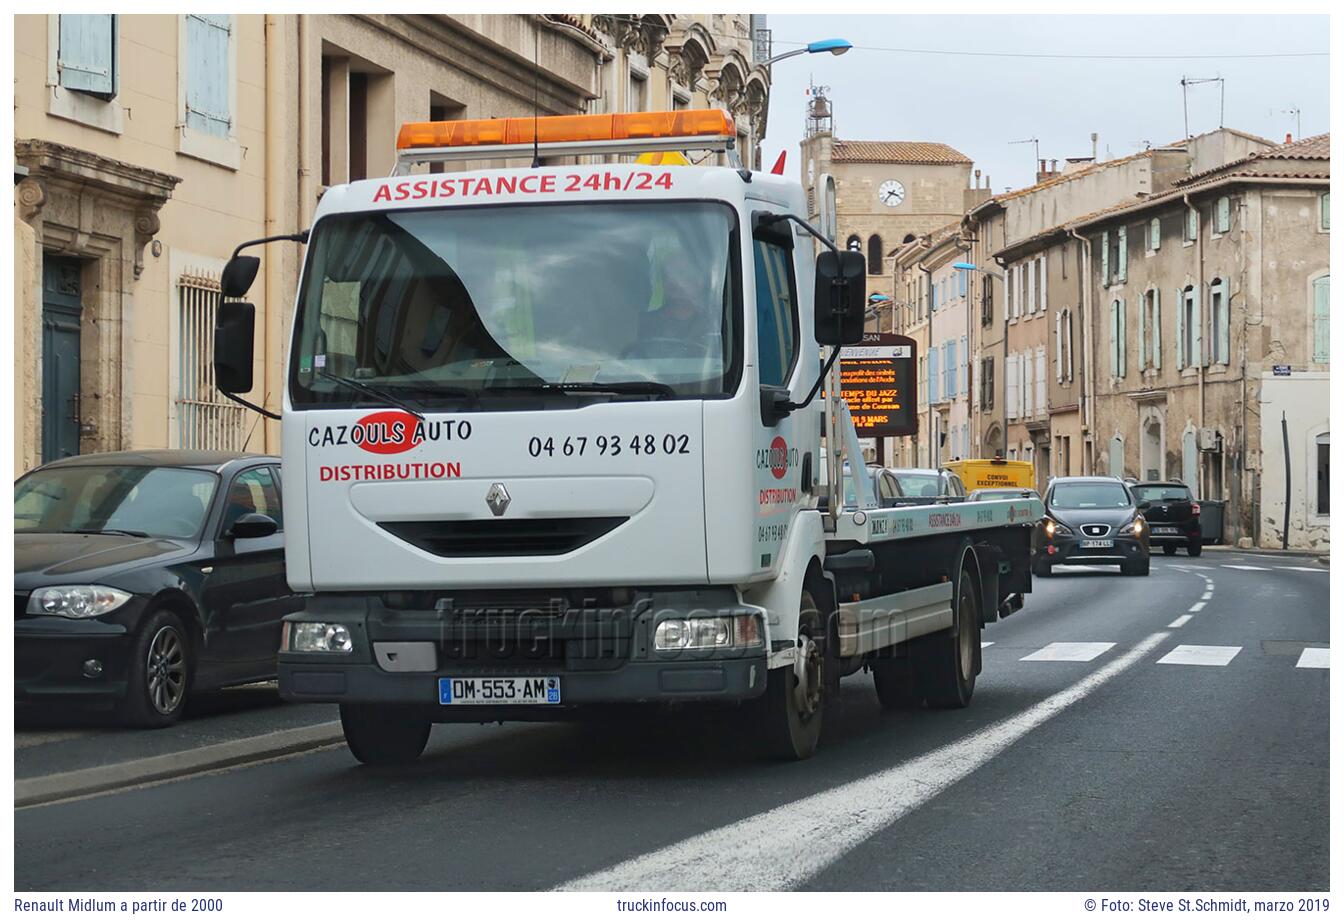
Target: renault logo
[[498, 498]]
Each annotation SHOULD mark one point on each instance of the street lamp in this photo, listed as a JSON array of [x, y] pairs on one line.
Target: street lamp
[[833, 45], [971, 267]]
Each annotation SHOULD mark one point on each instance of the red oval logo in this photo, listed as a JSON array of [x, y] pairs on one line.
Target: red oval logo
[[779, 457], [390, 431]]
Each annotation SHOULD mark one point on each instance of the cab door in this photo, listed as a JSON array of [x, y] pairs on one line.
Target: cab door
[[245, 593]]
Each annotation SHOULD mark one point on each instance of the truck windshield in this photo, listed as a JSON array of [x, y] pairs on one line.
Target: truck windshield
[[437, 306]]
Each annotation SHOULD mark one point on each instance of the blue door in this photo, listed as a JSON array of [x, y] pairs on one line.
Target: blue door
[[60, 358]]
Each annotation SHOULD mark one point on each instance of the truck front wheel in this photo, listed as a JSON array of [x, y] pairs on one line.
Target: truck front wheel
[[788, 715], [949, 661], [381, 735]]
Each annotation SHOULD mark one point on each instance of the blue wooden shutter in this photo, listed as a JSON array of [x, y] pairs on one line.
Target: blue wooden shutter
[[207, 68], [86, 59], [933, 375], [1224, 215], [1196, 330], [1121, 304], [1122, 259], [1155, 233], [1157, 329], [1320, 289], [1143, 332], [1180, 328], [1106, 258]]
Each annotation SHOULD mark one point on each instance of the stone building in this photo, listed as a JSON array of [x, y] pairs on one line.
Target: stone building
[[887, 193], [1211, 303], [148, 146]]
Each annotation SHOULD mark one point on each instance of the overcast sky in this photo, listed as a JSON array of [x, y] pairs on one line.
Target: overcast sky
[[980, 104]]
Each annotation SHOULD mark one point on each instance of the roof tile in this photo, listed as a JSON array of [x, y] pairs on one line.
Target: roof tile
[[927, 152]]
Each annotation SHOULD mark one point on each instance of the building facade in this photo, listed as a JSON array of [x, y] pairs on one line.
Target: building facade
[[148, 146]]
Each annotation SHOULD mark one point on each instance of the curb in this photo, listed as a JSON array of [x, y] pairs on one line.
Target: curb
[[44, 789]]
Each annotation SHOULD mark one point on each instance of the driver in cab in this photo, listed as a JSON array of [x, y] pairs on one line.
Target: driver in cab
[[684, 315]]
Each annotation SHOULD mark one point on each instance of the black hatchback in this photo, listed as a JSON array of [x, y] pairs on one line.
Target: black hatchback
[[139, 576], [1091, 520], [1173, 516]]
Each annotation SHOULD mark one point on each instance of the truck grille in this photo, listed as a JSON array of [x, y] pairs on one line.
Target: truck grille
[[522, 537]]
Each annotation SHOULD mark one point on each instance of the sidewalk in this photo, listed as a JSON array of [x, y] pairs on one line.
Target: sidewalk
[[59, 754], [1322, 557]]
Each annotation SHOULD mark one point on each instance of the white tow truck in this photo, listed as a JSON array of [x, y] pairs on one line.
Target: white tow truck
[[552, 441]]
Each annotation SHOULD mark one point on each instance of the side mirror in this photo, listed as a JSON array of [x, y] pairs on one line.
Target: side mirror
[[238, 275], [235, 324], [253, 525], [841, 298]]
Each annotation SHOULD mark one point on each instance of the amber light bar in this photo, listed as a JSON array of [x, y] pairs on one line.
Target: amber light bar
[[560, 129]]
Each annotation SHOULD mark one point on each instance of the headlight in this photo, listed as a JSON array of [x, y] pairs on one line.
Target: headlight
[[708, 633], [78, 602], [1134, 527], [315, 637], [1053, 527]]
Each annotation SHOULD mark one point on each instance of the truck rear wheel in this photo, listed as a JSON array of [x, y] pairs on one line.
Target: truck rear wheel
[[381, 735], [894, 681], [948, 662], [788, 715]]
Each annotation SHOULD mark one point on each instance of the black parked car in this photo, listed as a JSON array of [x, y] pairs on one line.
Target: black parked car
[[1088, 520], [1173, 516], [140, 576]]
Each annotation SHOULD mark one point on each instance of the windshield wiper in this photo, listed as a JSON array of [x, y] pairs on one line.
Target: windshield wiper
[[112, 530], [621, 388], [372, 391]]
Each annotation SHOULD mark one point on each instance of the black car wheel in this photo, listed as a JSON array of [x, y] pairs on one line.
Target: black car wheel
[[1139, 567], [1169, 549], [1040, 568], [159, 673], [1195, 547]]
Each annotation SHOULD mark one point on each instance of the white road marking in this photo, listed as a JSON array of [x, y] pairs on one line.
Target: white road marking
[[1197, 607], [1070, 651], [1179, 621], [1211, 655], [1248, 568], [986, 644], [780, 848], [1302, 568], [1314, 658], [1206, 596]]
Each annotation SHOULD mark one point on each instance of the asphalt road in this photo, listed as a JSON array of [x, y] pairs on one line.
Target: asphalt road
[[1114, 771]]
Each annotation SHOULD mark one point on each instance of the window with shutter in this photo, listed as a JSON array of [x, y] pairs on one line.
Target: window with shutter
[[1115, 338], [1019, 298], [1059, 346], [1031, 287], [986, 300], [207, 102], [1122, 255], [1010, 381], [963, 369], [1040, 380], [950, 368], [1220, 345], [1041, 272], [1122, 337], [1195, 326], [1182, 309], [1155, 234], [1068, 328], [933, 375], [1105, 258], [989, 382], [1028, 378], [1223, 221], [1320, 290], [1143, 331], [86, 58], [1191, 224], [1325, 211], [1008, 302]]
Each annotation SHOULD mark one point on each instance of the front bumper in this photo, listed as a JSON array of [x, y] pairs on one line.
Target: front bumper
[[1067, 551], [49, 656], [601, 655]]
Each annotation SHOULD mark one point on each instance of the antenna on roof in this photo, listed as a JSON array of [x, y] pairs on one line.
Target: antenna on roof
[[1036, 146], [1186, 83], [1297, 113]]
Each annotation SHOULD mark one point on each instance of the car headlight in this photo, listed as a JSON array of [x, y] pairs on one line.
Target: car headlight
[[707, 633], [77, 602], [1134, 527], [315, 637], [1053, 527]]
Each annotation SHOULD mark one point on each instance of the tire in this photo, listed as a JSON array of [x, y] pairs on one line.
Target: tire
[[1138, 568], [894, 681], [159, 673], [1040, 568], [1194, 549], [947, 662], [1169, 549], [383, 735], [787, 718]]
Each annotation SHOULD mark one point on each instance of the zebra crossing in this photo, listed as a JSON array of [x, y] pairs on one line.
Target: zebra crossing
[[1313, 656]]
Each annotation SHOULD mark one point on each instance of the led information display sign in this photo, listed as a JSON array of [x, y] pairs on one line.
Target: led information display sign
[[877, 380]]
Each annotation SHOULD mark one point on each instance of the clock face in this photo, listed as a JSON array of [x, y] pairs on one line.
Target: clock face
[[891, 193]]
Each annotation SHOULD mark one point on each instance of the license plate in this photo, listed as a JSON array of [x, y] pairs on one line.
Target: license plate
[[1166, 530], [499, 691], [1096, 544]]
